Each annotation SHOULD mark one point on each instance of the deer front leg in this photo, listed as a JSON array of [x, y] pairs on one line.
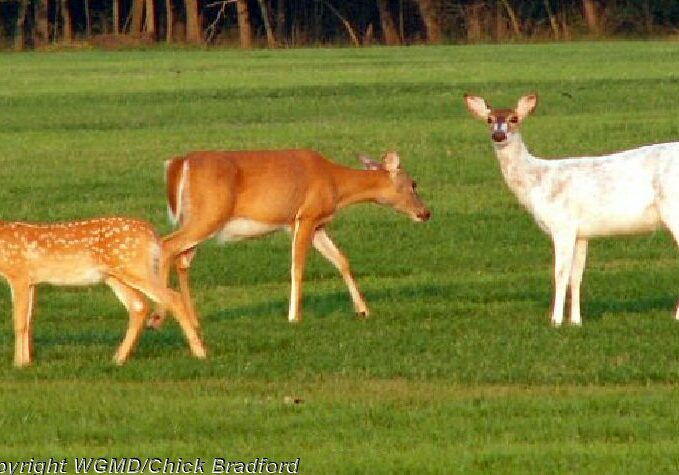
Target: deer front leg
[[579, 258], [564, 244], [138, 308], [23, 294], [171, 300], [302, 234], [329, 250]]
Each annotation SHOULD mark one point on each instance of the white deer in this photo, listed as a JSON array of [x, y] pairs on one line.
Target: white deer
[[575, 199]]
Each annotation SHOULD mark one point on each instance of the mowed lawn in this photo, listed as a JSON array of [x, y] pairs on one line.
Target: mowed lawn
[[457, 370]]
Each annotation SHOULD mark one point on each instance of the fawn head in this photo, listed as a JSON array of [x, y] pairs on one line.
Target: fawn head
[[504, 123], [401, 191]]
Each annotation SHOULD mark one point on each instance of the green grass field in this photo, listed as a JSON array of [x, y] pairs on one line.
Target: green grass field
[[458, 369]]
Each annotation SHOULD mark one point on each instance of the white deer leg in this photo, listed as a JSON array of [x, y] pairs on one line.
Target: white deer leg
[[672, 224], [301, 241], [579, 258], [564, 244]]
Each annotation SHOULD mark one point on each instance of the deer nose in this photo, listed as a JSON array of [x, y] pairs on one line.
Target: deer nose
[[424, 215], [499, 136]]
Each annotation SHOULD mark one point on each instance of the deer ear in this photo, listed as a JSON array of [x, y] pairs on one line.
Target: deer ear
[[369, 163], [477, 105], [526, 105], [391, 161]]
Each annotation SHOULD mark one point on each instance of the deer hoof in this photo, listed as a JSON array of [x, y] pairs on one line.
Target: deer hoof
[[154, 322]]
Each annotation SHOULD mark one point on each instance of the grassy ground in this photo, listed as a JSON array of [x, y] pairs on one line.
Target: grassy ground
[[458, 370]]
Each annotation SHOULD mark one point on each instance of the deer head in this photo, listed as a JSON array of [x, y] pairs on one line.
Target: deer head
[[401, 191], [504, 123]]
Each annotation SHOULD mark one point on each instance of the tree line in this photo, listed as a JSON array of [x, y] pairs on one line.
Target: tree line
[[280, 23]]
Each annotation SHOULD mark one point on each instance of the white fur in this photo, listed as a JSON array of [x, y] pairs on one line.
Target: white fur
[[238, 229], [174, 217], [576, 199], [294, 291], [82, 272]]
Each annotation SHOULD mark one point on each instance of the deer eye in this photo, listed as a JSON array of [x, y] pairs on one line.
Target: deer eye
[[514, 119], [414, 186], [489, 120]]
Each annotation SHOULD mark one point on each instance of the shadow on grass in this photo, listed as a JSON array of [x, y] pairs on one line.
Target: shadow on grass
[[595, 309], [327, 303]]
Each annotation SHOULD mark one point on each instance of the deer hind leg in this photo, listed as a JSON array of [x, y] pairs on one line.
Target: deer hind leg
[[579, 259], [302, 235], [671, 221], [23, 295], [182, 263], [325, 245], [564, 246], [171, 300], [138, 308], [205, 216]]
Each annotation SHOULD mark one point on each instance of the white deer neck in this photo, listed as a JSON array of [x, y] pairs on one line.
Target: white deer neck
[[520, 169]]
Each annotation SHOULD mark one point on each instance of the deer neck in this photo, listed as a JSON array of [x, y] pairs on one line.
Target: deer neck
[[521, 170], [359, 186]]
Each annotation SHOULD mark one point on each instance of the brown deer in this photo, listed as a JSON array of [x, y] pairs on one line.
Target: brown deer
[[123, 253], [247, 194]]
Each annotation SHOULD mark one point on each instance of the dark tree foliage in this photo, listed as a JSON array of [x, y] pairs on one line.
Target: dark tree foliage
[[280, 23]]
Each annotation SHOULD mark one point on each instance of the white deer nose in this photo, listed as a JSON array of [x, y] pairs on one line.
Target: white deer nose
[[499, 132], [500, 127]]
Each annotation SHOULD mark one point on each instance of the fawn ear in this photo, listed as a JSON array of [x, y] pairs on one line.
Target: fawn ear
[[526, 105], [369, 163], [391, 162], [477, 105]]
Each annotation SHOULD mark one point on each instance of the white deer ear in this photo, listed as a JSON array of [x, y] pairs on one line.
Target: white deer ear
[[369, 163], [478, 106], [391, 161], [526, 105]]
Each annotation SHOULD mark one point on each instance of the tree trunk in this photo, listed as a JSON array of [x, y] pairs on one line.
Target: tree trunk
[[19, 30], [192, 26], [266, 18], [150, 18], [137, 17], [169, 20], [347, 26], [244, 24], [473, 21], [648, 17], [41, 31], [565, 29], [591, 16], [430, 16], [389, 30], [552, 20], [67, 34], [116, 17], [512, 18], [280, 20], [88, 21]]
